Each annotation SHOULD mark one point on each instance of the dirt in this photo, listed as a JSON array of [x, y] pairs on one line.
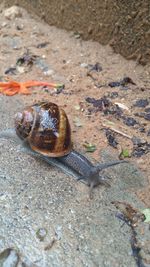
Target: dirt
[[67, 59], [122, 24]]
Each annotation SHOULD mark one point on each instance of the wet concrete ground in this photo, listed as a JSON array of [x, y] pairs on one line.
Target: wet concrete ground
[[46, 217]]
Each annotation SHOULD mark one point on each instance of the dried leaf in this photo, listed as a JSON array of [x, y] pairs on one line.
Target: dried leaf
[[124, 153], [60, 88], [129, 121], [11, 71], [141, 103], [109, 122], [140, 147], [111, 138], [123, 82], [129, 214], [105, 105], [27, 59]]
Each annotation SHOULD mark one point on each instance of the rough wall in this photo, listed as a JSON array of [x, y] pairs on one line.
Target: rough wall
[[124, 24]]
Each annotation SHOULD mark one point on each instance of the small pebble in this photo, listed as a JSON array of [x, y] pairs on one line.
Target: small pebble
[[83, 65], [12, 13], [4, 24], [48, 72]]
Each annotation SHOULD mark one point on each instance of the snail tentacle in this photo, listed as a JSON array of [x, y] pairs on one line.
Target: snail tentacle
[[106, 165]]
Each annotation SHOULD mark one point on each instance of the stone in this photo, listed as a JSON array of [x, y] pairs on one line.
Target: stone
[[12, 13]]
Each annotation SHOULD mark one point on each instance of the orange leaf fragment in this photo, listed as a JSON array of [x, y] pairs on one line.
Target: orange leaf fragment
[[12, 87]]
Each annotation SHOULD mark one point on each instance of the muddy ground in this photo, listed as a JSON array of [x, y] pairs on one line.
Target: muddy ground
[[85, 233], [122, 24]]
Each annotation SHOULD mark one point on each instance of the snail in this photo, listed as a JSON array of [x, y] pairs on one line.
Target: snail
[[44, 127]]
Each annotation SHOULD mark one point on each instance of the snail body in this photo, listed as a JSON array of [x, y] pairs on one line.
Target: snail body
[[45, 127]]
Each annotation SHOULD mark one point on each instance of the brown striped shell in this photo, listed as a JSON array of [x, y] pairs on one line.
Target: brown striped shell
[[46, 128]]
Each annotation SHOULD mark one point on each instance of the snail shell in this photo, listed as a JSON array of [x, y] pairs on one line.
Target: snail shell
[[46, 128]]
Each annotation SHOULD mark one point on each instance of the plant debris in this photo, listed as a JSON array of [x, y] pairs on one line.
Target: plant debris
[[107, 124], [77, 35], [147, 116], [144, 115], [130, 215], [50, 245], [142, 103], [89, 147], [96, 67], [11, 71], [123, 106], [99, 103], [138, 141], [60, 88], [26, 59], [111, 138], [42, 45], [125, 81], [129, 121], [148, 133], [24, 62], [124, 154], [136, 249], [142, 129], [113, 95], [147, 110], [105, 105], [140, 149]]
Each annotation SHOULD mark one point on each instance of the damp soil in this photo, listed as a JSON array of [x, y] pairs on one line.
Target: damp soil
[[46, 215], [88, 70], [122, 24]]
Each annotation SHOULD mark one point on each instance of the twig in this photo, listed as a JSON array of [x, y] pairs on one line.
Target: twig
[[117, 131], [50, 245]]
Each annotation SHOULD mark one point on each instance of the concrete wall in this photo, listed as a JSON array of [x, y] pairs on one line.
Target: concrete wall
[[124, 24]]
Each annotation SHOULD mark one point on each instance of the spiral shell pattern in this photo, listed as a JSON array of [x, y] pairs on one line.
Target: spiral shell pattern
[[46, 128]]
